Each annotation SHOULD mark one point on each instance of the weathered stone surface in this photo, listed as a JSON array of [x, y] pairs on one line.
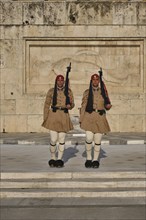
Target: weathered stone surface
[[11, 51], [34, 123], [15, 123], [114, 122], [30, 106], [84, 31], [11, 32], [11, 13], [2, 91], [125, 13], [33, 13], [11, 76], [141, 13], [131, 123], [13, 90], [89, 12], [120, 107], [54, 13], [2, 124], [138, 106], [8, 106]]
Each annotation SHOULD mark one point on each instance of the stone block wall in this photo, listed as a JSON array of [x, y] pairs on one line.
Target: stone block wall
[[40, 38]]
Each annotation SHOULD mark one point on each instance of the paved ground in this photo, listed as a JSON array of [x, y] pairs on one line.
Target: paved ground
[[74, 137], [74, 213], [31, 190], [34, 158]]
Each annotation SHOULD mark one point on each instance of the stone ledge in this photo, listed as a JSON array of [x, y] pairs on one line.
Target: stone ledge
[[73, 142]]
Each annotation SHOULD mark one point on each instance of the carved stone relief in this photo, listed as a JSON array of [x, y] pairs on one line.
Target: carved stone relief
[[120, 60], [72, 12], [89, 12]]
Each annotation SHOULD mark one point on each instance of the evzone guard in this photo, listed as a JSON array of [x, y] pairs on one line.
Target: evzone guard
[[95, 102], [59, 100]]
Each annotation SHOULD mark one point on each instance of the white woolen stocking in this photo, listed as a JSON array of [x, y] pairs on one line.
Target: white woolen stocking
[[96, 152], [88, 151], [53, 137], [97, 146], [60, 151], [53, 152], [61, 146], [89, 140]]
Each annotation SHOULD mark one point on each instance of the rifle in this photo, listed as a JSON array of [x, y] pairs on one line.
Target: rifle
[[104, 92], [67, 85]]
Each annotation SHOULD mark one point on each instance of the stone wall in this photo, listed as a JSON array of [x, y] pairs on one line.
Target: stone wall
[[40, 38]]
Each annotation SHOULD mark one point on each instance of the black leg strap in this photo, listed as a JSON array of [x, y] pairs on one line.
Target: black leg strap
[[88, 142], [98, 144], [61, 143], [53, 145]]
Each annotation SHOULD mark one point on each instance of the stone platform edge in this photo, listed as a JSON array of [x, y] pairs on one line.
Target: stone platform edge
[[73, 142]]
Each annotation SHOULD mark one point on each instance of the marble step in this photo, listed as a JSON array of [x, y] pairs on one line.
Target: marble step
[[72, 185], [74, 175]]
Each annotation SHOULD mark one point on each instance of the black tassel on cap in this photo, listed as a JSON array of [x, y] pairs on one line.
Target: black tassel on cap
[[58, 77], [89, 107], [55, 94]]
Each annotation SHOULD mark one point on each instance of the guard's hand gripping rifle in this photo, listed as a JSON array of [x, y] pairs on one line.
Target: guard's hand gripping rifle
[[67, 85], [103, 89]]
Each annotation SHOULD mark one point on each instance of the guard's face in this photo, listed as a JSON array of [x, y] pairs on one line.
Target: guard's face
[[95, 81], [60, 82]]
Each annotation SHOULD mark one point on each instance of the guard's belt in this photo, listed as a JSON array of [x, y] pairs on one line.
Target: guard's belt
[[54, 108], [101, 112]]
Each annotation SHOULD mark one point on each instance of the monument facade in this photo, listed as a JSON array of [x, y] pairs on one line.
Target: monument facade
[[40, 38]]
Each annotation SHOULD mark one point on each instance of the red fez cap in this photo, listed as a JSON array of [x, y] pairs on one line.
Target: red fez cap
[[95, 76], [60, 77]]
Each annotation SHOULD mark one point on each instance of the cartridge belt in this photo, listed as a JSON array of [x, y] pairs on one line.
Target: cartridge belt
[[54, 108], [101, 112]]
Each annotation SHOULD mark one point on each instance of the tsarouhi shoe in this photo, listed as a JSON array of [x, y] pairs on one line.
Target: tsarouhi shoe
[[59, 163], [95, 164], [52, 163], [88, 163]]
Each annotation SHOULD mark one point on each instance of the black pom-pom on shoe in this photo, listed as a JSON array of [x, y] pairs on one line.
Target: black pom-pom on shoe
[[59, 163], [52, 163], [95, 164], [88, 163]]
